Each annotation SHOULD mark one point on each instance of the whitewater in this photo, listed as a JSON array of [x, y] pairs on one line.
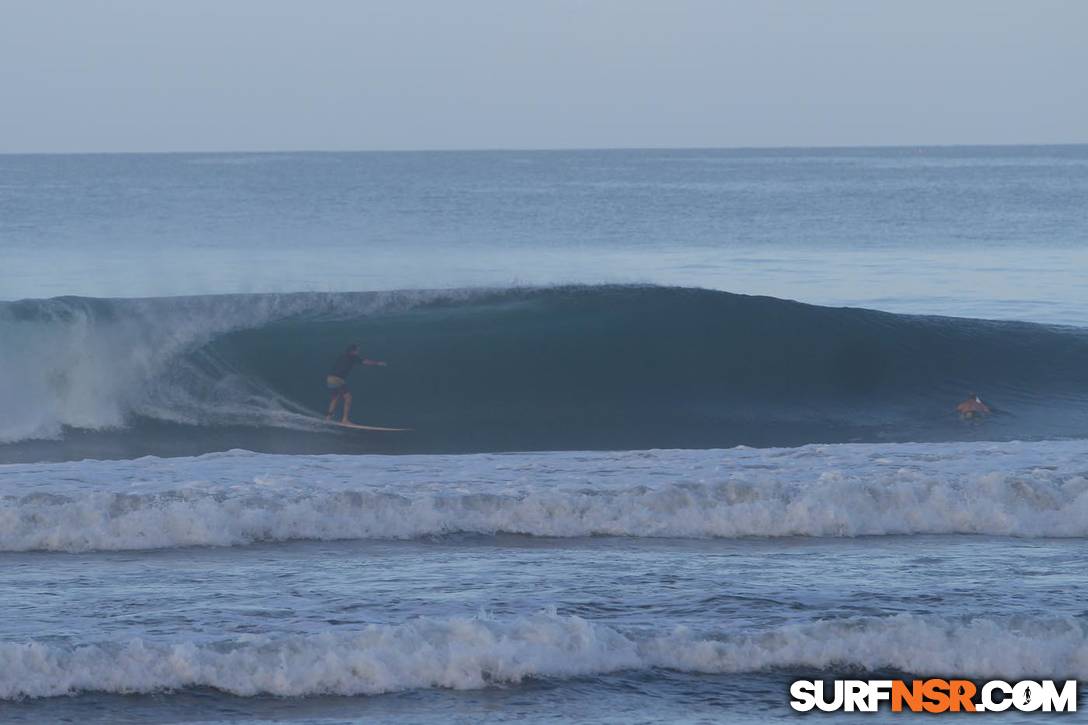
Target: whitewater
[[683, 431], [480, 652], [239, 498], [725, 552]]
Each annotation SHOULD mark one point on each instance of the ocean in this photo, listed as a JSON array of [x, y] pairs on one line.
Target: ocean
[[682, 431]]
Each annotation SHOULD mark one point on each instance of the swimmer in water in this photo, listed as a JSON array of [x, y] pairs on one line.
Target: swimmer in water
[[973, 408]]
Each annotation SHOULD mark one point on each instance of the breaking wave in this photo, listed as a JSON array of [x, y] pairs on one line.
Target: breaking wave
[[474, 653], [604, 367], [239, 498]]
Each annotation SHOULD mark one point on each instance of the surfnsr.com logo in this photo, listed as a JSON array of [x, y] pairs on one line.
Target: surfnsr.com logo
[[934, 695]]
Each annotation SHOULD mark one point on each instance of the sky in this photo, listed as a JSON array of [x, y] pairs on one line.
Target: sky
[[277, 75]]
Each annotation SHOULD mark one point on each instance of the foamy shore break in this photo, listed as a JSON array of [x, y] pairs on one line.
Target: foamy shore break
[[470, 653], [238, 498]]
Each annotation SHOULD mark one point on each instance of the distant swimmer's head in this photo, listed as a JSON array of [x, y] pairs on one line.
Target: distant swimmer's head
[[353, 347]]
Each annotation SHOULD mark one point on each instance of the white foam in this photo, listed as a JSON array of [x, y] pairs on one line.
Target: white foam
[[473, 653], [93, 364], [1011, 489]]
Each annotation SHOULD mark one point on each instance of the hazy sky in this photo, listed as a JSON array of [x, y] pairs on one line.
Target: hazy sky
[[174, 75]]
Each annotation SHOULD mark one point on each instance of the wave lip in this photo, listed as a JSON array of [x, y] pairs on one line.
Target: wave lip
[[1027, 490], [462, 653], [74, 363]]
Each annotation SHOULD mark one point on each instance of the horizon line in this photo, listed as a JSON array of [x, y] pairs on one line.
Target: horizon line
[[546, 149]]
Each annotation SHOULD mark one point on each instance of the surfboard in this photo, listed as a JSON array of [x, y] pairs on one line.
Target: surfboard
[[356, 426]]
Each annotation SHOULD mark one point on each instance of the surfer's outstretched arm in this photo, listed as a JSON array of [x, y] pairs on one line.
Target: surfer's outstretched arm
[[380, 363]]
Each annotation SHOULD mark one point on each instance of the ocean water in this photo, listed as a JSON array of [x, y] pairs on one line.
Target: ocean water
[[681, 431]]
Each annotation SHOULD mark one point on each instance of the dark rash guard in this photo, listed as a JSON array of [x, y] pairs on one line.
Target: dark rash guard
[[345, 363]]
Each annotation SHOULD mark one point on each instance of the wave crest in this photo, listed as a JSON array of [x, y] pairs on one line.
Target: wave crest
[[1035, 490], [465, 653], [527, 369]]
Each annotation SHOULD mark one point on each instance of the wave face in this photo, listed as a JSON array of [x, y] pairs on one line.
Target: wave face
[[473, 653], [239, 498], [554, 368]]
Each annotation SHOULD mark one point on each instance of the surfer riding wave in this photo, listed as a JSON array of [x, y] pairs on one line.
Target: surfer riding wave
[[337, 380]]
